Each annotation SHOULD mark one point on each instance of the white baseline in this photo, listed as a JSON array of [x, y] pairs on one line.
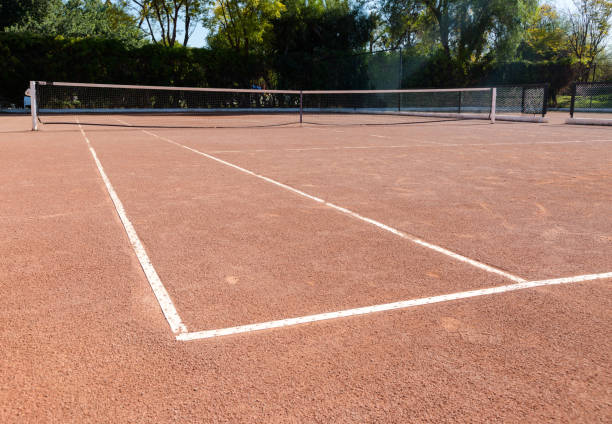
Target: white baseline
[[385, 307]]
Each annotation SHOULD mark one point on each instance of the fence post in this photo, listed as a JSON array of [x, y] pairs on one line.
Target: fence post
[[401, 69], [573, 101], [301, 107], [399, 82]]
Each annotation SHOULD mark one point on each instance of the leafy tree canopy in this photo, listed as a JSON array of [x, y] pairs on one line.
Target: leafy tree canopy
[[242, 25], [589, 29], [466, 30], [13, 12], [310, 37], [83, 18], [165, 20], [545, 35]]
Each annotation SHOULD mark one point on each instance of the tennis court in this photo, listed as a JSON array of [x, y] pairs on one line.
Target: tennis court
[[414, 268]]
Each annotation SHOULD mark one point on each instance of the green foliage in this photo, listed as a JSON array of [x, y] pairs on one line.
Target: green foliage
[[465, 31], [13, 12], [475, 30], [242, 25], [545, 36], [305, 44], [401, 24], [83, 18], [313, 46], [589, 28], [165, 20], [602, 101], [28, 57]]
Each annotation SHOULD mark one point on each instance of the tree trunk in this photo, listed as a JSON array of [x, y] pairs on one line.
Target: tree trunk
[[187, 22]]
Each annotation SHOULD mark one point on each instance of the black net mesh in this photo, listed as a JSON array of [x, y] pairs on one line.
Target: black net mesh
[[525, 99], [75, 99], [294, 106], [455, 101], [395, 107]]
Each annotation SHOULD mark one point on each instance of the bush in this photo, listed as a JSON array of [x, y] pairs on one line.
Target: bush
[[32, 57]]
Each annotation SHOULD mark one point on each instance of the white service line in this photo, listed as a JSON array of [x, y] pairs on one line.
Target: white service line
[[307, 149], [408, 146], [172, 316], [378, 224], [531, 143], [385, 307]]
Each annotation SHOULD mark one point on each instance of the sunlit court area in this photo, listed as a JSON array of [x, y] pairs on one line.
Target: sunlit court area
[[342, 213]]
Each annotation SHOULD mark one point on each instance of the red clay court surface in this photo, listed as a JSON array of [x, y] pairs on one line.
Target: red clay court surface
[[438, 271]]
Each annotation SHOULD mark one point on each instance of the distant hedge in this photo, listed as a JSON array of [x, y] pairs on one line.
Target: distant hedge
[[26, 57]]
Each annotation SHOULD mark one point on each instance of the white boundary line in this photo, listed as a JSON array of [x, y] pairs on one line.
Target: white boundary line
[[172, 316], [385, 307], [407, 146], [345, 211]]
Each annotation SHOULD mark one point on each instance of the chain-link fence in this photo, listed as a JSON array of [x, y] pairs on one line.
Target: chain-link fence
[[591, 97], [528, 99], [397, 69]]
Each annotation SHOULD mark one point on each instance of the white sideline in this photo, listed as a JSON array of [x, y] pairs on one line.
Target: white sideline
[[385, 307], [345, 211], [163, 298]]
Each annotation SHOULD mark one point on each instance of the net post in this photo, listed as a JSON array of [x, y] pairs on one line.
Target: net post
[[460, 100], [33, 105], [301, 106], [573, 101], [493, 103]]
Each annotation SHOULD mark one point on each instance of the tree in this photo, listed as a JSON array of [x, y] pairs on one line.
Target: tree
[[589, 30], [314, 44], [545, 36], [465, 30], [242, 25], [14, 12], [166, 19], [471, 29], [398, 24], [84, 18]]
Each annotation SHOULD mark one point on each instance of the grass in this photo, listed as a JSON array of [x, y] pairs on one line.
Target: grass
[[591, 102]]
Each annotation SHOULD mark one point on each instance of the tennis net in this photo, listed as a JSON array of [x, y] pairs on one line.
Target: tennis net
[[154, 106]]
